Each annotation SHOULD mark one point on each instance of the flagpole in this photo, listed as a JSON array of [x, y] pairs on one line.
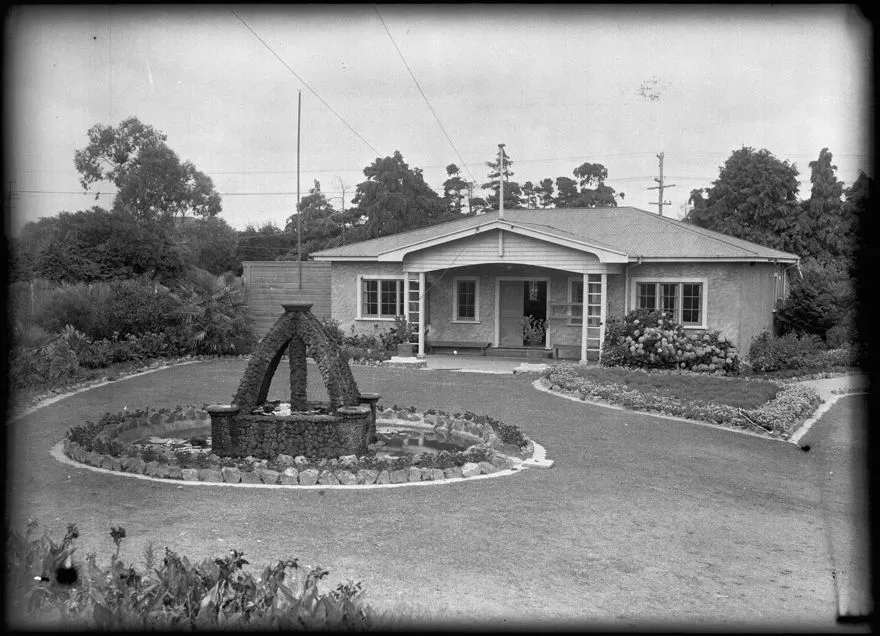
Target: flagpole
[[298, 211]]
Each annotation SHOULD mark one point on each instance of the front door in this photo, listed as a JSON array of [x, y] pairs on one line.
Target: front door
[[511, 313]]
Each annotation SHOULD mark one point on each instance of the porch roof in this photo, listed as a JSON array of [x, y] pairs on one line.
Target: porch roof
[[627, 231]]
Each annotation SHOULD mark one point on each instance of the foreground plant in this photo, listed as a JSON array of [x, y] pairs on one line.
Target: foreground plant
[[47, 586]]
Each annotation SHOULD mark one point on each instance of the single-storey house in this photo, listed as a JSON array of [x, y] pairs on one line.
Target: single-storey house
[[474, 280]]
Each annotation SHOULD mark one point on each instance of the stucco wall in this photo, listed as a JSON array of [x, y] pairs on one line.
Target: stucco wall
[[740, 297]]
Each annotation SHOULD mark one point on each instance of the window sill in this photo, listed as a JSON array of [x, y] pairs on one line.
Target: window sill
[[375, 319], [694, 327], [465, 322]]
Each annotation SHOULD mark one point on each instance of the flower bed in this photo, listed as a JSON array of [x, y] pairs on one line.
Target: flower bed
[[491, 446], [778, 417]]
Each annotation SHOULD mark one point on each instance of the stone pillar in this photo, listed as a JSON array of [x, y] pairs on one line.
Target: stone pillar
[[223, 439], [371, 399], [296, 351], [298, 369]]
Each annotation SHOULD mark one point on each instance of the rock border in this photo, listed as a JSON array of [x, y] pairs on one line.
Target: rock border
[[336, 473]]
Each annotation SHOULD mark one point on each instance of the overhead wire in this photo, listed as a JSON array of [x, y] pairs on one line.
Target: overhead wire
[[425, 97], [304, 83]]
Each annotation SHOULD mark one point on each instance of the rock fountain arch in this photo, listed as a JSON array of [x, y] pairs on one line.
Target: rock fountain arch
[[346, 427]]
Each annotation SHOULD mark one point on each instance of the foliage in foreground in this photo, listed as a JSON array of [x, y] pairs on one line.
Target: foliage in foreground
[[48, 586], [779, 416]]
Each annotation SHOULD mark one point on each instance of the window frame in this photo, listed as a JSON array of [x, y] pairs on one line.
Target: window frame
[[575, 321], [399, 304], [455, 316], [658, 281]]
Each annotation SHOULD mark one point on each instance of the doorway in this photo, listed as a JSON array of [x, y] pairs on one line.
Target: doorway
[[519, 299]]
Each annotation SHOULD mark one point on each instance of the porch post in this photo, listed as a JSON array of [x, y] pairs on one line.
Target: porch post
[[584, 319], [422, 293], [603, 311]]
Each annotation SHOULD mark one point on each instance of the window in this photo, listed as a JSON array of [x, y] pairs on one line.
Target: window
[[577, 302], [466, 300], [684, 301], [381, 298]]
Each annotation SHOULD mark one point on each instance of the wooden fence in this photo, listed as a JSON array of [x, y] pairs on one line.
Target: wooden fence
[[269, 284]]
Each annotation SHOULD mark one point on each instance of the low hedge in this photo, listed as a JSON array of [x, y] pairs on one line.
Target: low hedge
[[48, 586]]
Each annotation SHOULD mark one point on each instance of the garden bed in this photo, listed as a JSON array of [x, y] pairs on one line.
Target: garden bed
[[718, 400], [489, 446]]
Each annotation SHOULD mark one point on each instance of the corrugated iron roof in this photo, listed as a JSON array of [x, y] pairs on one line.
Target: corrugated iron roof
[[634, 232]]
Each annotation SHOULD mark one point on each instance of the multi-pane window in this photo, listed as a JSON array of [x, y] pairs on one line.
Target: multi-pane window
[[465, 299], [691, 303], [683, 301], [647, 296], [593, 301], [381, 298]]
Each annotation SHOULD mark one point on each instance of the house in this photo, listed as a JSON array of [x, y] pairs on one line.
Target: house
[[474, 280]]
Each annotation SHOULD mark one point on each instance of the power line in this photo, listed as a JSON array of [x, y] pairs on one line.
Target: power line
[[425, 97], [304, 83]]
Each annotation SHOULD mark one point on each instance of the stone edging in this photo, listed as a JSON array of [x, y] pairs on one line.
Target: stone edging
[[541, 384], [81, 388], [335, 473]]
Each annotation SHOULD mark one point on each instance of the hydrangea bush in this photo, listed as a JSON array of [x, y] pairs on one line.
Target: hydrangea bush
[[653, 340]]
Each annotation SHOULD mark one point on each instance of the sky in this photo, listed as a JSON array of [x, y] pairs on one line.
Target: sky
[[558, 85]]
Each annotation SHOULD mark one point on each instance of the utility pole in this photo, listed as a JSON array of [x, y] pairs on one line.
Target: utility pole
[[500, 181], [660, 202], [342, 187], [299, 257]]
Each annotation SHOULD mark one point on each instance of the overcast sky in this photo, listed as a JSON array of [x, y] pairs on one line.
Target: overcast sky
[[558, 85]]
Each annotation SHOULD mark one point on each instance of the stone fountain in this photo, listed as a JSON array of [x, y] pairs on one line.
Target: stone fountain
[[249, 427]]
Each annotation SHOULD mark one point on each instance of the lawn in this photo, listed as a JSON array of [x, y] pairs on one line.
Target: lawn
[[730, 390], [641, 520]]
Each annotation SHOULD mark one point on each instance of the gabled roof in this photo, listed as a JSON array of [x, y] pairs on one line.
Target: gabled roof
[[626, 231]]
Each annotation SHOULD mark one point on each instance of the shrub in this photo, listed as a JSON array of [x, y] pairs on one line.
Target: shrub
[[791, 351], [651, 340], [48, 585]]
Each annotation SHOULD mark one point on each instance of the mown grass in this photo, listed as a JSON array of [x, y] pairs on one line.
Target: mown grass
[[732, 391]]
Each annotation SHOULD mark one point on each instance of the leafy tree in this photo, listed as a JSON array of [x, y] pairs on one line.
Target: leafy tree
[[267, 242], [512, 190], [530, 195], [456, 191], [151, 181], [823, 233], [96, 245], [208, 243], [545, 192], [320, 228], [754, 198], [566, 193], [395, 198]]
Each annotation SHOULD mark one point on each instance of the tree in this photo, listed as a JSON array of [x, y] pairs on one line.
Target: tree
[[320, 230], [754, 198], [512, 190], [396, 198], [95, 245], [209, 244], [151, 181], [545, 192], [824, 234], [566, 193], [456, 191], [267, 242], [530, 195]]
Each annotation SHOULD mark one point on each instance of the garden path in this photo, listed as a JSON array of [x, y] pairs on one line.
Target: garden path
[[641, 521]]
